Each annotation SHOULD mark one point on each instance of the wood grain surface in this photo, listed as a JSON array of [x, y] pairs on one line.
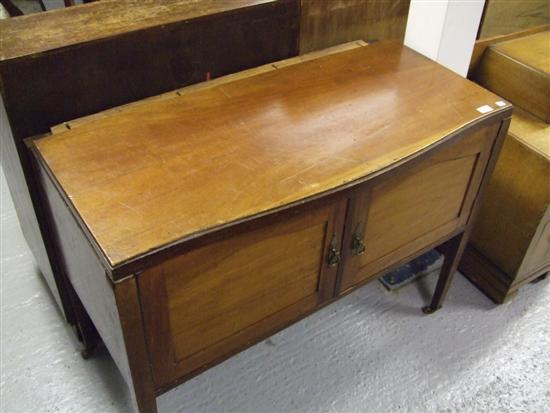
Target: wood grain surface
[[38, 33], [482, 44], [213, 295], [74, 62], [172, 169], [174, 94]]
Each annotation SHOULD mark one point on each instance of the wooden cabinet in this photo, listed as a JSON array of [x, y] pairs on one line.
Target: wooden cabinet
[[516, 209], [510, 243], [241, 205]]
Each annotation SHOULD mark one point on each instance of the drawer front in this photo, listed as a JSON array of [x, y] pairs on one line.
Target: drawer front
[[398, 216], [215, 300]]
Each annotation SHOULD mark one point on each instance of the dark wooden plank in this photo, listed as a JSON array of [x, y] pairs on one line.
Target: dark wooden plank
[[131, 323], [11, 8], [36, 34]]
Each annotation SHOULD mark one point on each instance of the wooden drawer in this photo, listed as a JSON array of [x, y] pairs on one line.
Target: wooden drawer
[[213, 300], [400, 215]]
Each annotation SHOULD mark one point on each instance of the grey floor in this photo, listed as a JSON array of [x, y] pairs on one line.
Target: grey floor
[[373, 351]]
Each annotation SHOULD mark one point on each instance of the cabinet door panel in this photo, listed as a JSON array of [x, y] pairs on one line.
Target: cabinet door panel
[[398, 216], [216, 299]]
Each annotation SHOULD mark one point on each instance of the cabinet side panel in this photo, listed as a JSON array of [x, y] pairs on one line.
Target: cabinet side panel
[[514, 205], [17, 175], [86, 274]]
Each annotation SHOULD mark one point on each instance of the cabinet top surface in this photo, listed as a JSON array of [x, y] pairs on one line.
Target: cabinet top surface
[[533, 50], [169, 170], [42, 32]]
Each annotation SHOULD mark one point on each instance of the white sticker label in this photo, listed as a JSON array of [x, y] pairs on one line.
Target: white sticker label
[[500, 103], [484, 109]]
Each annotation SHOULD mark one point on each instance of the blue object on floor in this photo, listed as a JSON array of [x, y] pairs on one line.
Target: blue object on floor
[[420, 266]]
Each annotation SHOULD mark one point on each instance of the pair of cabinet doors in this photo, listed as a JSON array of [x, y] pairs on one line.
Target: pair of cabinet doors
[[218, 298]]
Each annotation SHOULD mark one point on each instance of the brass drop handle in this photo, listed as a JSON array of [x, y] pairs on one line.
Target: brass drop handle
[[333, 256], [358, 246]]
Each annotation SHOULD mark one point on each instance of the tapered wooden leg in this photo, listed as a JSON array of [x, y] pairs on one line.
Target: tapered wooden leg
[[454, 248], [453, 253]]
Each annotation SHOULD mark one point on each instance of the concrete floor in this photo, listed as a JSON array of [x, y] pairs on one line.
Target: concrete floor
[[372, 351]]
